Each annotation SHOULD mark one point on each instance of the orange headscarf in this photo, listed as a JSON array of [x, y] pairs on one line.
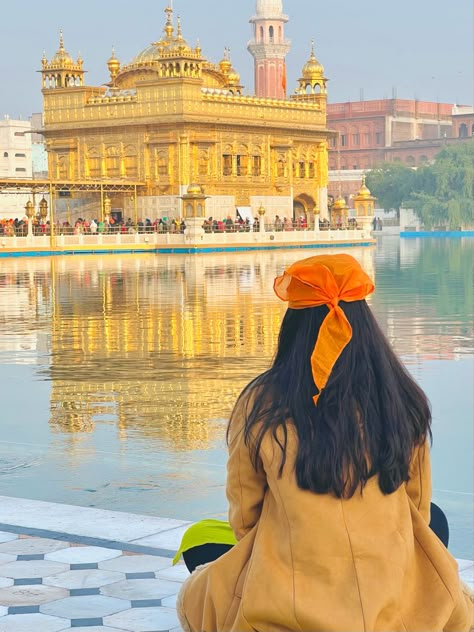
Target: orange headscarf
[[325, 280]]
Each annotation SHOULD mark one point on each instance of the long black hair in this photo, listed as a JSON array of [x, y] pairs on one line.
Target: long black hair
[[368, 419]]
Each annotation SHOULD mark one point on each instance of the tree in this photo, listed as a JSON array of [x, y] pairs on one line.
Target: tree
[[443, 194], [391, 183]]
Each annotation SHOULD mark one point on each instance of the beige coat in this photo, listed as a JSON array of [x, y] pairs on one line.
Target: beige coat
[[317, 563]]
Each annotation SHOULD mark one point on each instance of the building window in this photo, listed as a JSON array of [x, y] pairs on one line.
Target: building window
[[19, 133], [271, 33], [312, 170], [227, 165], [281, 168], [301, 170], [332, 142], [5, 154], [343, 140], [162, 165], [367, 138], [356, 139], [256, 166], [20, 155], [378, 138], [20, 169], [242, 165]]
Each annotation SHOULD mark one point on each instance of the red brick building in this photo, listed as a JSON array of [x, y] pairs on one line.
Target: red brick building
[[371, 132]]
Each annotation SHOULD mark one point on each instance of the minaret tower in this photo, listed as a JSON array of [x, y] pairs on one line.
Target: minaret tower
[[269, 49]]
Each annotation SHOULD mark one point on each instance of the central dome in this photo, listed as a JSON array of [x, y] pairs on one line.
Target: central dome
[[269, 8]]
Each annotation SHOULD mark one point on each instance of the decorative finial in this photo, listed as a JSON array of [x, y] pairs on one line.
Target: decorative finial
[[312, 49], [169, 21], [61, 40], [178, 32], [113, 52], [44, 60]]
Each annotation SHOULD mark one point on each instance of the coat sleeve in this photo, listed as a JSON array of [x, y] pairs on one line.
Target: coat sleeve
[[419, 485], [246, 486]]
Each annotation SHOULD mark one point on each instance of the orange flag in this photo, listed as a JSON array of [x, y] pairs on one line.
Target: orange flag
[[283, 78]]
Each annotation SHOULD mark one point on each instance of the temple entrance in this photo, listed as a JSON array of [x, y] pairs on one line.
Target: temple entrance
[[303, 206]]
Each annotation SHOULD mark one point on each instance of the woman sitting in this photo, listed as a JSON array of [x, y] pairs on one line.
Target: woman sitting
[[328, 482]]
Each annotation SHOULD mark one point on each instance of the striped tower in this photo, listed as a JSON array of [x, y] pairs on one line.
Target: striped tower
[[269, 49]]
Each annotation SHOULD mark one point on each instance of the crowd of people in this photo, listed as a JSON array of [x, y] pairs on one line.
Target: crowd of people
[[114, 224]]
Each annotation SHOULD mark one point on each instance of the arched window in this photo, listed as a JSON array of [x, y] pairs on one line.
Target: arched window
[[280, 34], [271, 33], [410, 161], [261, 34], [463, 131], [5, 154], [472, 130]]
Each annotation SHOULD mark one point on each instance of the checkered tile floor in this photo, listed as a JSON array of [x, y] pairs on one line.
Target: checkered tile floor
[[56, 585], [92, 570]]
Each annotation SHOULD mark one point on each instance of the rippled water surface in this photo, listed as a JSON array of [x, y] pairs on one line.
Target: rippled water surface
[[118, 373]]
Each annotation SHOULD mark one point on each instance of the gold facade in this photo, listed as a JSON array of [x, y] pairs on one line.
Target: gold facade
[[170, 118]]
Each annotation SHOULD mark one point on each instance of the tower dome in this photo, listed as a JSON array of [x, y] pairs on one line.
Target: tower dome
[[269, 8]]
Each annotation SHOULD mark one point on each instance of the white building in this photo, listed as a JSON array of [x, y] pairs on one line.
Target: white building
[[15, 149], [15, 162]]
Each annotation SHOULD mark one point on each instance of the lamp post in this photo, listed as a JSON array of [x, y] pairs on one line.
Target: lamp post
[[30, 211], [261, 224], [43, 212], [316, 218], [107, 210]]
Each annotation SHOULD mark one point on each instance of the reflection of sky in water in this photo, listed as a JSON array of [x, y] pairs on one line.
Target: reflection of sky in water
[[118, 373]]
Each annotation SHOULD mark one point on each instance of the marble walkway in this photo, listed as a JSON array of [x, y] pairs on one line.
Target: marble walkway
[[64, 567]]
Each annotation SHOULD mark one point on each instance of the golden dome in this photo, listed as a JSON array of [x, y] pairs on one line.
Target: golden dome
[[225, 64], [364, 192], [113, 63], [233, 78], [194, 189], [340, 203], [168, 45], [62, 57], [313, 69]]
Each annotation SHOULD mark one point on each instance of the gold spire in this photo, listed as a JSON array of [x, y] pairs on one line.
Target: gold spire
[[169, 28], [61, 42], [113, 65], [179, 34]]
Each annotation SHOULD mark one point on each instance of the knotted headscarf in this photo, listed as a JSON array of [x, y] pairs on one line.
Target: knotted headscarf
[[325, 280]]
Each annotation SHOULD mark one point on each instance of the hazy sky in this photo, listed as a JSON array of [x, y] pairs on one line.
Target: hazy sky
[[420, 48]]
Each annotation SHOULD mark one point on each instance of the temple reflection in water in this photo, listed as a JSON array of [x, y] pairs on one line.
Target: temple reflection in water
[[160, 347]]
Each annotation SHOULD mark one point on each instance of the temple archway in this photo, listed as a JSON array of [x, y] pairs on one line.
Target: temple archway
[[303, 205]]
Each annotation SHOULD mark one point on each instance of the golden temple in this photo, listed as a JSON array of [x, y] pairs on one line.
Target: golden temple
[[171, 117]]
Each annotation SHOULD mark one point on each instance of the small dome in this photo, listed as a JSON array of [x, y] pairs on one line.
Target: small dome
[[194, 189], [225, 65], [313, 69], [62, 57], [269, 8], [233, 78], [340, 203], [364, 192], [113, 63]]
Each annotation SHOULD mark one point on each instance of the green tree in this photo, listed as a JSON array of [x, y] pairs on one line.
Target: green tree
[[443, 194], [391, 183]]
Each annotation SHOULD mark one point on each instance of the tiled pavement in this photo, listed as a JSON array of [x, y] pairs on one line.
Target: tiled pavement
[[53, 580]]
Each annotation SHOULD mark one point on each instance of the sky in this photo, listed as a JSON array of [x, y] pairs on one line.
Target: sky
[[370, 49]]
